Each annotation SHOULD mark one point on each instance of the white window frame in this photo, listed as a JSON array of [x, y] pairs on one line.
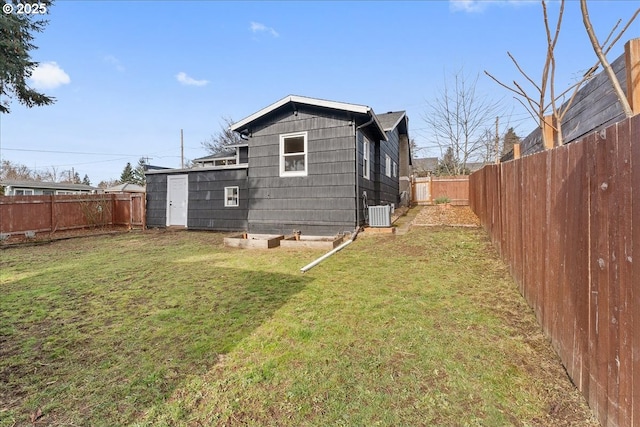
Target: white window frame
[[387, 165], [395, 170], [283, 137], [366, 158], [230, 203], [24, 192]]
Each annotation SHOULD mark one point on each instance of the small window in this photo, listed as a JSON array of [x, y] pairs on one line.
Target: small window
[[24, 192], [395, 170], [387, 165], [48, 192], [366, 164], [231, 196], [293, 154]]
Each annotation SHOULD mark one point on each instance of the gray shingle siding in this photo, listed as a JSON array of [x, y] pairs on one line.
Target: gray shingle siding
[[156, 200], [206, 200], [319, 203]]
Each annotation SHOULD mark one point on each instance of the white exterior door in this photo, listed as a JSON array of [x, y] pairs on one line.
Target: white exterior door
[[177, 190]]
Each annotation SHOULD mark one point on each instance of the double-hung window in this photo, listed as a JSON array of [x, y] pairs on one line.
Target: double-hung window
[[293, 154], [231, 196], [366, 157], [387, 165]]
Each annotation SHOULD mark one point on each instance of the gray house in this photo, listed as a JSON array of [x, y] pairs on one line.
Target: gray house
[[308, 164]]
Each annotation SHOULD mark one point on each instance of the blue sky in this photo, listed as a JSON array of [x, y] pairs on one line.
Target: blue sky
[[129, 75]]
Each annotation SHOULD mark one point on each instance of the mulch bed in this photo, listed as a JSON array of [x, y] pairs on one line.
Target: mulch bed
[[445, 214]]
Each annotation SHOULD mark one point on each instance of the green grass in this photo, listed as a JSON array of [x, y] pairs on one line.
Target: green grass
[[174, 329]]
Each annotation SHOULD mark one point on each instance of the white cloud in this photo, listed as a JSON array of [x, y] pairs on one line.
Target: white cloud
[[473, 6], [183, 78], [112, 60], [49, 75], [257, 27]]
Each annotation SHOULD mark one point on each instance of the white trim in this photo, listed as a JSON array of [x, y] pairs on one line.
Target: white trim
[[387, 165], [363, 109], [169, 221], [366, 157], [282, 155], [227, 204]]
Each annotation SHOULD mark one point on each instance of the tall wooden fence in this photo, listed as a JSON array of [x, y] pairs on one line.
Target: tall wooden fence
[[567, 222], [19, 214], [426, 190]]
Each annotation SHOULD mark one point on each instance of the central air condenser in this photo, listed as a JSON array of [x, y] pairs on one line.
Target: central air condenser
[[380, 216]]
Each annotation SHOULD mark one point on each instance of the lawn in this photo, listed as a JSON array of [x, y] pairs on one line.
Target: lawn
[[171, 328]]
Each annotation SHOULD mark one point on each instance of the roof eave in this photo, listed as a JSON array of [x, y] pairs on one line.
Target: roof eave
[[355, 108]]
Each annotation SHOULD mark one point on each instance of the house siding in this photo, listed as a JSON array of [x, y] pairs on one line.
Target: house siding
[[321, 203], [389, 188], [206, 200], [206, 210], [156, 200]]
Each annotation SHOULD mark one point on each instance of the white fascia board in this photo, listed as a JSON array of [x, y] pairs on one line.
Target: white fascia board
[[377, 122], [362, 109]]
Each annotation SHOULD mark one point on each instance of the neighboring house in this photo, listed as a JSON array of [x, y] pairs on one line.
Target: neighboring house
[[38, 188], [308, 164], [125, 188], [425, 166], [429, 165]]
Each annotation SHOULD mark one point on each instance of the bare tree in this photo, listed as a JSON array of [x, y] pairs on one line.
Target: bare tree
[[218, 142], [537, 105], [459, 119], [602, 56]]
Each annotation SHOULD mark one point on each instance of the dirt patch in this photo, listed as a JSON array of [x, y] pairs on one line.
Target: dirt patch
[[461, 216]]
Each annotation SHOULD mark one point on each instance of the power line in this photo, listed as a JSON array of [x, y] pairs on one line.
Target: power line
[[69, 152]]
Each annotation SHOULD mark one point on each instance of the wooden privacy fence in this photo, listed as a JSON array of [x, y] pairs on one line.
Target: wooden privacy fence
[[19, 214], [563, 220], [426, 190]]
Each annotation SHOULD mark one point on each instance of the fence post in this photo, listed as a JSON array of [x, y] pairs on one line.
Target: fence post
[[632, 65], [516, 151], [549, 132], [53, 218]]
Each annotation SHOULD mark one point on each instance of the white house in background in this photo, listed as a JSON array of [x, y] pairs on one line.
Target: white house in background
[[38, 188]]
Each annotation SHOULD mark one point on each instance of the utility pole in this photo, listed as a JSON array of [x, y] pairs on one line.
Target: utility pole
[[181, 149]]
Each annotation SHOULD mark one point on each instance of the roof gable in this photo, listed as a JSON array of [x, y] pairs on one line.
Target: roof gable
[[392, 119], [315, 102]]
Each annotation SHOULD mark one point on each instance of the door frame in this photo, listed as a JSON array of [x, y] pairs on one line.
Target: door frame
[[186, 198]]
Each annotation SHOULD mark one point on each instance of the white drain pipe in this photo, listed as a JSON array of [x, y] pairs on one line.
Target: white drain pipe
[[328, 254]]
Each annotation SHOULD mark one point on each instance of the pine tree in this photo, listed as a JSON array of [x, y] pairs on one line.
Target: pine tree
[[85, 180], [138, 172], [16, 37], [127, 175], [509, 139]]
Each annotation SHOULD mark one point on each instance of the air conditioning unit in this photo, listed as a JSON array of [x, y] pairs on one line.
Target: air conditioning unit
[[380, 216]]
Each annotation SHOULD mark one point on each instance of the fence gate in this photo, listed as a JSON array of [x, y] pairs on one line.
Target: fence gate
[[138, 210], [422, 190]]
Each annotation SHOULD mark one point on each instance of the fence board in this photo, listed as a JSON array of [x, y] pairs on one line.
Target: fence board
[[19, 214], [426, 190], [634, 291], [623, 167], [563, 222]]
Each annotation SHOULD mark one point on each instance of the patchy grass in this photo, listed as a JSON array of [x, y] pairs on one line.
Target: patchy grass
[[174, 329]]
